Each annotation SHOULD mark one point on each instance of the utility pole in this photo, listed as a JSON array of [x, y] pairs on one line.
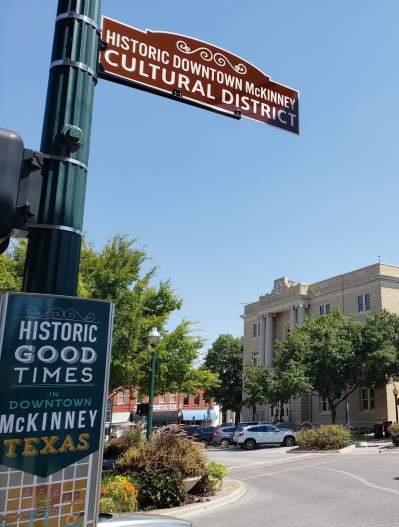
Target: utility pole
[[53, 255]]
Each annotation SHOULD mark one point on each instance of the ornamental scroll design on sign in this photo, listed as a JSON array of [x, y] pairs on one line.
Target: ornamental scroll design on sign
[[57, 313], [206, 54]]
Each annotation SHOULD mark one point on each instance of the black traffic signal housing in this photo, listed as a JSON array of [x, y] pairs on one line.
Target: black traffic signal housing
[[20, 187], [142, 409], [11, 157]]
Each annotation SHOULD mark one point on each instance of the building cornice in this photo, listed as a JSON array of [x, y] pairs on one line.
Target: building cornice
[[286, 304], [278, 307]]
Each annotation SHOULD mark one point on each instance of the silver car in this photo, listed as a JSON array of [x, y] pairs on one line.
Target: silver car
[[134, 519], [265, 434], [223, 436]]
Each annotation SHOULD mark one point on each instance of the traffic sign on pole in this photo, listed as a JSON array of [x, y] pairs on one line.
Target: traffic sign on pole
[[195, 72]]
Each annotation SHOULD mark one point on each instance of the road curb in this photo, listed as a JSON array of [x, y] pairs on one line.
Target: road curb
[[297, 450], [233, 490]]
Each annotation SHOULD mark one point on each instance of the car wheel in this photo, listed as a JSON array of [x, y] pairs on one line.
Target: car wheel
[[250, 444], [204, 443], [289, 441], [225, 443]]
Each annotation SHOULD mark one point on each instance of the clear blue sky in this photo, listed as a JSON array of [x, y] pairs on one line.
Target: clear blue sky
[[223, 207]]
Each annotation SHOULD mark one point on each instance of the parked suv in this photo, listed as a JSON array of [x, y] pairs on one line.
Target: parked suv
[[240, 426], [265, 434], [223, 436]]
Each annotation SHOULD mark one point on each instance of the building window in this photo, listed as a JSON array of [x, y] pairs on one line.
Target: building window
[[185, 399], [325, 308], [256, 330], [324, 404], [363, 303], [197, 399], [255, 358], [367, 399], [161, 398], [173, 397], [121, 397]]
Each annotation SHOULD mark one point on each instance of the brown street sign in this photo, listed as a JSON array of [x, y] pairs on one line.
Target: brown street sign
[[197, 73]]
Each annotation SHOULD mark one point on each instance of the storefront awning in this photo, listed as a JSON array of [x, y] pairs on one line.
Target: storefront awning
[[199, 415], [120, 417]]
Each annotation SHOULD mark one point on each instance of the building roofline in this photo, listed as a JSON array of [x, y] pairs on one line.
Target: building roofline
[[377, 266]]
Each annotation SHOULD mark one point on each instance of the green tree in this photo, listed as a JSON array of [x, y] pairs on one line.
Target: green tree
[[12, 267], [224, 358], [265, 385], [336, 354], [256, 384], [115, 273]]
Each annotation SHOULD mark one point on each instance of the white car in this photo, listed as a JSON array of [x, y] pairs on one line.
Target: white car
[[130, 519], [264, 434]]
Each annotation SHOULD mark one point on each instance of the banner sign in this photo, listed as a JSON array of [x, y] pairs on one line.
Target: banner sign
[[195, 72], [164, 407], [54, 363]]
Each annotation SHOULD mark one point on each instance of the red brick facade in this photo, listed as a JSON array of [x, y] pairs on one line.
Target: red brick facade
[[124, 403]]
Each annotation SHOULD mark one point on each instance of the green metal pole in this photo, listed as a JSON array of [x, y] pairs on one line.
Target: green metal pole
[[151, 394], [52, 262]]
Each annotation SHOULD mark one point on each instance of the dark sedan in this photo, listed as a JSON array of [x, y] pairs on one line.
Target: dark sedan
[[204, 435]]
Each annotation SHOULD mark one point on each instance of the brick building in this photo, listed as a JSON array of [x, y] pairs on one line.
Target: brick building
[[168, 408], [357, 293]]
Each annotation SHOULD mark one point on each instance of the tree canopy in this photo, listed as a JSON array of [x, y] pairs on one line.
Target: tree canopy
[[333, 355], [116, 273], [224, 358]]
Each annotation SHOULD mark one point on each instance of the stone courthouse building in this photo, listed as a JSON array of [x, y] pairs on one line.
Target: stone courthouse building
[[268, 320]]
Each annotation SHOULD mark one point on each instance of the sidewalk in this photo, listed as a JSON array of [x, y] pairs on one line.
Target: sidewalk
[[354, 447], [232, 491], [374, 443]]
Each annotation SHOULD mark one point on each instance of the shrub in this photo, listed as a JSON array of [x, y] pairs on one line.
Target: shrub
[[107, 505], [132, 436], [118, 494], [394, 431], [327, 437], [160, 487], [135, 434], [171, 429], [159, 467], [164, 450], [212, 481], [114, 448], [216, 470]]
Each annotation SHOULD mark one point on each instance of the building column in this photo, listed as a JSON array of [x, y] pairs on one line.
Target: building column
[[262, 350], [292, 317], [269, 340], [301, 314]]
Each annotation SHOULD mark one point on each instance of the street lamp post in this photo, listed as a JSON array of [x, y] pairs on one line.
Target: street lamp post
[[395, 392], [154, 337]]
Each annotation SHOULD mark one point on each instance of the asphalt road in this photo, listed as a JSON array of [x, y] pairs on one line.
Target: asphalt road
[[359, 489]]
